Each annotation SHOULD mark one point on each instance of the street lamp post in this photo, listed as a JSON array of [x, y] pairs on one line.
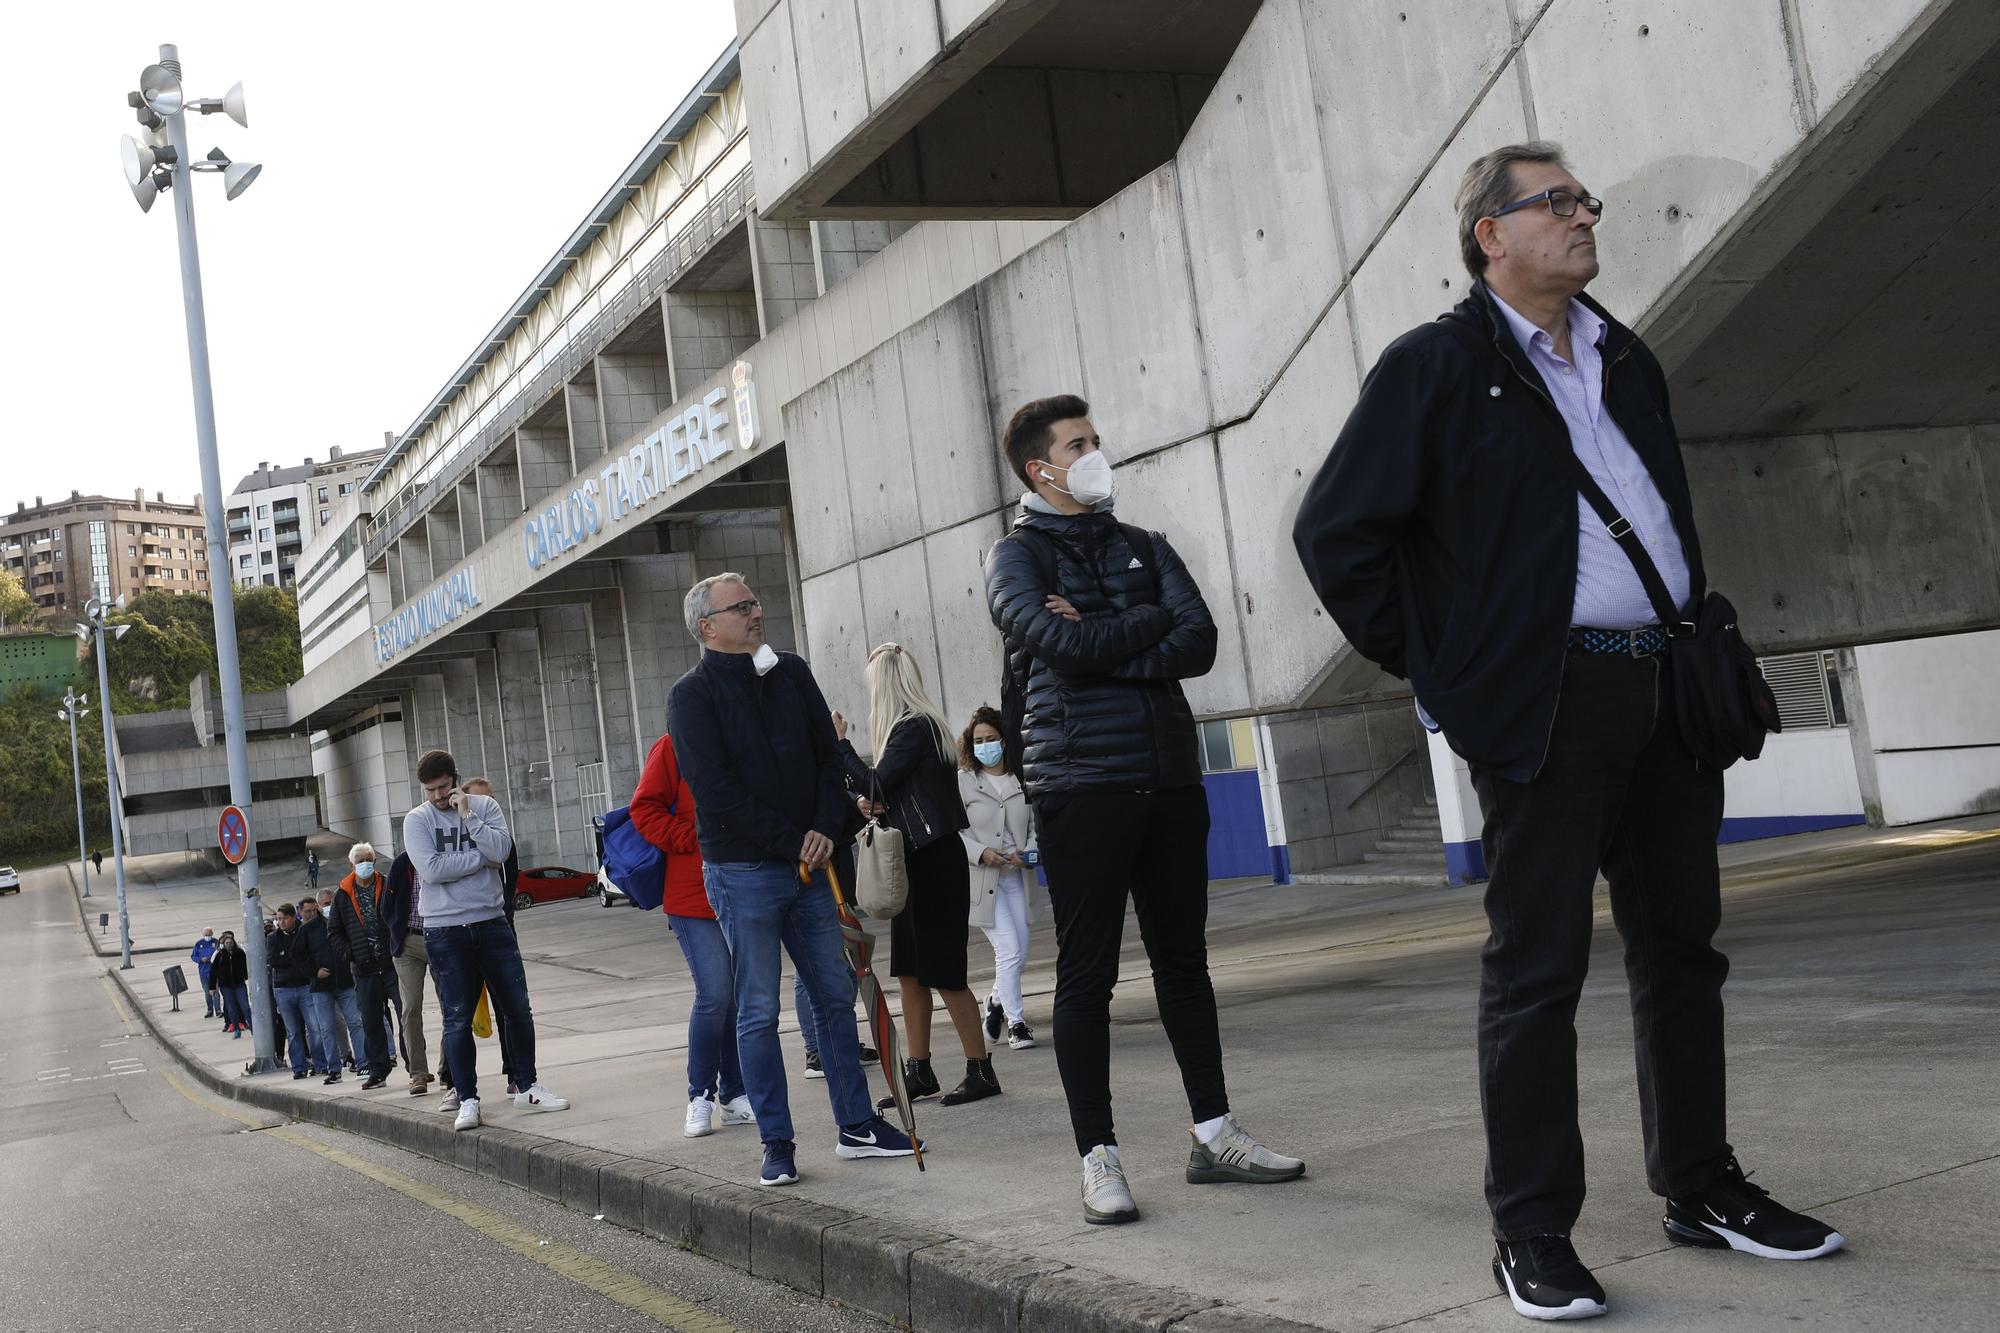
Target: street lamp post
[[149, 168], [73, 707], [94, 611]]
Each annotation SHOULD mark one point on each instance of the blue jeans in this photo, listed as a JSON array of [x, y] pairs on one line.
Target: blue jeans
[[347, 1023], [236, 1004], [319, 1018], [292, 1009], [464, 958], [208, 995], [712, 1062], [762, 905]]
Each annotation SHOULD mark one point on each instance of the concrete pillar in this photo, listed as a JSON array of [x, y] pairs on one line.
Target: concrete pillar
[[575, 731], [585, 417], [464, 737], [442, 531], [633, 387], [706, 332], [415, 548], [471, 521], [385, 583], [784, 270], [545, 460], [493, 735], [657, 646], [530, 813], [751, 542], [499, 484], [622, 755]]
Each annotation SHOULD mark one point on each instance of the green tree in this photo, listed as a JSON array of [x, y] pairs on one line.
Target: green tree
[[37, 786], [172, 640], [16, 607]]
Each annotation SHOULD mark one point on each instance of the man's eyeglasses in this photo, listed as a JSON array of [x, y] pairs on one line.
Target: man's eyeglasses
[[1562, 203], [742, 608]]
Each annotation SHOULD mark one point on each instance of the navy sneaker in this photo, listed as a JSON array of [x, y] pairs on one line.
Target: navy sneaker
[[780, 1164], [1733, 1214], [877, 1138]]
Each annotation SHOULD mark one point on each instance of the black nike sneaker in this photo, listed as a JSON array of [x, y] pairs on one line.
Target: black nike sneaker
[[1733, 1214], [1545, 1279]]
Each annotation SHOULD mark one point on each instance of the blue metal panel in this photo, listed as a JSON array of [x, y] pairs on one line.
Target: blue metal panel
[[1236, 846]]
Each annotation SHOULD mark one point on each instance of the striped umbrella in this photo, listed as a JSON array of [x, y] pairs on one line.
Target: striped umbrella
[[859, 947]]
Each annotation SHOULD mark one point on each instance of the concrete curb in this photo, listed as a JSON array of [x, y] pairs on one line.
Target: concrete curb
[[912, 1277], [83, 920]]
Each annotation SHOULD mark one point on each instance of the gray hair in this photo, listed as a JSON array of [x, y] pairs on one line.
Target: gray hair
[[1488, 187], [699, 605], [359, 852]]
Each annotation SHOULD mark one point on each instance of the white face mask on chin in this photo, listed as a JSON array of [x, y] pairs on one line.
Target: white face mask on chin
[[764, 658], [1091, 480]]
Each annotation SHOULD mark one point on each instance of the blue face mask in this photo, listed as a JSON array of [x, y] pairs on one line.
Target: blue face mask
[[987, 752], [364, 870]]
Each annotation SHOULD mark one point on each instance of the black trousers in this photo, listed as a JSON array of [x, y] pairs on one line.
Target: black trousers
[[1620, 791], [1100, 848], [375, 993]]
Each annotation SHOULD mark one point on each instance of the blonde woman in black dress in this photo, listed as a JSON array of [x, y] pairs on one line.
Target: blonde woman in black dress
[[913, 786]]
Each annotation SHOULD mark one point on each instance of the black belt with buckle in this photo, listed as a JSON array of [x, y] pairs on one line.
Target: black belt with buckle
[[1649, 641]]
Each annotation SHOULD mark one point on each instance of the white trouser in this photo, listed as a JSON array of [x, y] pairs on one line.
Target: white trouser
[[1009, 938]]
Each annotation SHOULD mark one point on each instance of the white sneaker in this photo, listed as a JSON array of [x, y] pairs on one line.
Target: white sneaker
[[468, 1114], [538, 1098], [449, 1102], [738, 1112], [1107, 1200], [1233, 1155], [701, 1118]]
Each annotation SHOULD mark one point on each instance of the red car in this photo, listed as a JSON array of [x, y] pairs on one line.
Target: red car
[[548, 884]]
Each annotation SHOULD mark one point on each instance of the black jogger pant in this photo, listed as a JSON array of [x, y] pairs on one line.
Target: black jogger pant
[[1099, 848], [1618, 790]]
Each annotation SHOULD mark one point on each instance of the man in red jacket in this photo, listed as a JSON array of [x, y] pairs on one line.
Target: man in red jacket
[[663, 812]]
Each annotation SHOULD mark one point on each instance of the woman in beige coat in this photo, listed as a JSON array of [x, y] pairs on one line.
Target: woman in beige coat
[[1000, 844]]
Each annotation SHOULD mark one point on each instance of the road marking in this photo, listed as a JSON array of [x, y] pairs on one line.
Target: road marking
[[51, 1075], [118, 1003], [612, 1283]]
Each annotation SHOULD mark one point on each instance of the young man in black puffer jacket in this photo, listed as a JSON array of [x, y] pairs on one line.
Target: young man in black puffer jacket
[[1102, 622]]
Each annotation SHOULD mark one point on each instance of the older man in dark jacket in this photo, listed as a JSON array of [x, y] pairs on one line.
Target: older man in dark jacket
[[1102, 622], [1448, 538], [361, 928]]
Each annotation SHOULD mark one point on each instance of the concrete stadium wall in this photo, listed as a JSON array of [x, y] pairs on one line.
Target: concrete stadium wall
[[1932, 720], [364, 777]]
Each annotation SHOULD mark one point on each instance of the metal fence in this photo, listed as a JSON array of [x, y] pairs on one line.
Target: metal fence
[[451, 465]]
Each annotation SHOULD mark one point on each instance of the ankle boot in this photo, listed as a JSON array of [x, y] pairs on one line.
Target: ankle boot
[[918, 1078], [980, 1082]]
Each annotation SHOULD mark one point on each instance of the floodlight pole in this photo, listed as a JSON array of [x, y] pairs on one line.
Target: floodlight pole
[[222, 589], [70, 704], [96, 609]]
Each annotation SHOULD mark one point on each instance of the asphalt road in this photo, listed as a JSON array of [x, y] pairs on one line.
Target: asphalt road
[[132, 1200]]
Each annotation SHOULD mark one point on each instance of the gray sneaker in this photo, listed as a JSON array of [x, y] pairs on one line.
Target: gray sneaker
[[1107, 1200], [1233, 1155]]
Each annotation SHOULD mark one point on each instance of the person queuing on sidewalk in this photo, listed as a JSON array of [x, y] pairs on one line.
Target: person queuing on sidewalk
[[913, 787], [458, 843], [841, 866], [510, 877], [327, 975], [289, 955], [999, 842], [361, 936], [346, 1004], [203, 954], [663, 810], [1102, 622], [1451, 550], [406, 941], [755, 742], [231, 973]]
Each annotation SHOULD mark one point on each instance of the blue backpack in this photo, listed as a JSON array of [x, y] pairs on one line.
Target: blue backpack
[[636, 866]]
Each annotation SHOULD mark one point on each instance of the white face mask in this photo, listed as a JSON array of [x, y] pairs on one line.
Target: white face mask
[[1091, 480], [764, 658]]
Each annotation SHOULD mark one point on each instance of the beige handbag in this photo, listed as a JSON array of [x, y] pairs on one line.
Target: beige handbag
[[881, 875]]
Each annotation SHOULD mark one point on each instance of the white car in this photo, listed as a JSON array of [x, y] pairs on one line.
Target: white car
[[9, 881], [608, 893]]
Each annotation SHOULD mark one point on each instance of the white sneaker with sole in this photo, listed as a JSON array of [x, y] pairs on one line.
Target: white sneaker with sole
[[449, 1102], [738, 1112], [701, 1118], [535, 1097], [1107, 1199], [468, 1114]]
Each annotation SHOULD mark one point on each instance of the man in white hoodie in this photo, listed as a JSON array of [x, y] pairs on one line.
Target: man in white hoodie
[[458, 843]]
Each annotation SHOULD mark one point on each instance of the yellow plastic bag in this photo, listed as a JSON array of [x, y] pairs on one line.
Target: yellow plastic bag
[[482, 1016]]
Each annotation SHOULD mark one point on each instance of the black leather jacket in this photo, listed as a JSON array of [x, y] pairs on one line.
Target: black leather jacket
[[1441, 533], [913, 780], [1103, 708]]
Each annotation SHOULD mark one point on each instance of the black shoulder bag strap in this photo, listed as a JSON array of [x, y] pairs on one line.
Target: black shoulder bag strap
[[1724, 705]]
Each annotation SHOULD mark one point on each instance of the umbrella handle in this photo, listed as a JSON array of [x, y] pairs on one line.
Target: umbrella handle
[[832, 877]]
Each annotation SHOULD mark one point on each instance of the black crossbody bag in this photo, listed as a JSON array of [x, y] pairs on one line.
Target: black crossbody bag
[[1726, 708]]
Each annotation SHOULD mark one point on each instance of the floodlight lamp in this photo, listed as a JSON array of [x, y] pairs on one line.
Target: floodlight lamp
[[141, 158], [237, 177], [147, 189], [230, 104], [160, 90], [62, 714], [120, 631], [83, 633], [119, 601]]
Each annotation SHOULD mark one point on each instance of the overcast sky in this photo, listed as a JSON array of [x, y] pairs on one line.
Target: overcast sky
[[422, 161]]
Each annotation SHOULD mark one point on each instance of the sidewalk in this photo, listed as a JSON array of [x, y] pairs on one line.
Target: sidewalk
[[1863, 1044]]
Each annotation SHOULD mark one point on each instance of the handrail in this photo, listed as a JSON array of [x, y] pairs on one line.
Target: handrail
[[679, 254], [1376, 781]]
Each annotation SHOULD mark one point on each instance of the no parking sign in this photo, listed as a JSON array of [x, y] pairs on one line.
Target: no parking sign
[[232, 834]]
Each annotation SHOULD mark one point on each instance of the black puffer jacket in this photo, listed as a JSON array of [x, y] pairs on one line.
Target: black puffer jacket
[[1102, 702], [913, 780]]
